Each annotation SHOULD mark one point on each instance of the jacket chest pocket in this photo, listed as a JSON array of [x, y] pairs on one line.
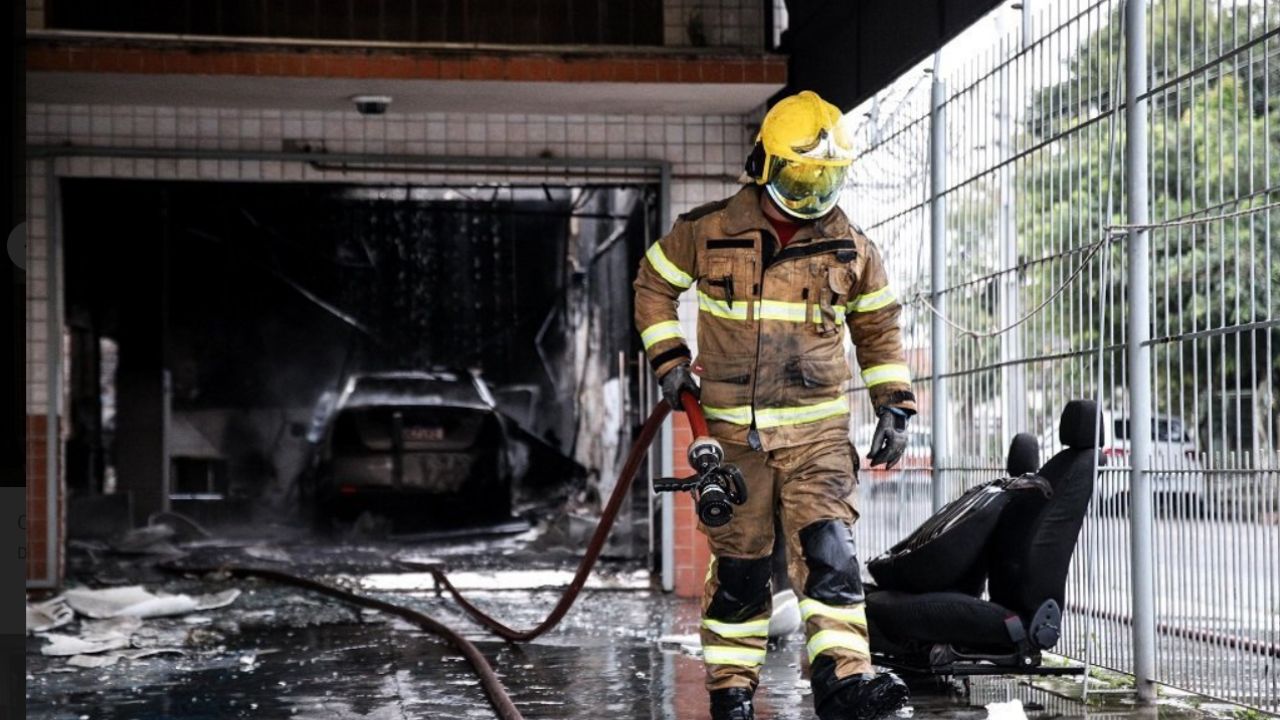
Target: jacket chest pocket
[[727, 286], [827, 289]]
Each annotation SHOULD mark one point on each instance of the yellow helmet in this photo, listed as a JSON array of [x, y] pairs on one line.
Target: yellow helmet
[[802, 154]]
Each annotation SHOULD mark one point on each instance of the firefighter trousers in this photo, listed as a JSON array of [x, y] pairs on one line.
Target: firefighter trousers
[[811, 488]]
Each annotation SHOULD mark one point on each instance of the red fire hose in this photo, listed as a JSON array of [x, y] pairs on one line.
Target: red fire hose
[[497, 694], [697, 421]]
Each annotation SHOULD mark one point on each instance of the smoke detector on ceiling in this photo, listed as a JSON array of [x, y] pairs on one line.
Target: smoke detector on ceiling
[[371, 104]]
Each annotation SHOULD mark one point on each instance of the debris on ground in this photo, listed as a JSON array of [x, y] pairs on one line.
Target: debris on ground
[[48, 615], [785, 619], [136, 601], [94, 638], [1011, 710], [689, 643], [270, 553], [111, 658]]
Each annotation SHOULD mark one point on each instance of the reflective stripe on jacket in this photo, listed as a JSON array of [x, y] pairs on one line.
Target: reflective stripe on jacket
[[771, 321]]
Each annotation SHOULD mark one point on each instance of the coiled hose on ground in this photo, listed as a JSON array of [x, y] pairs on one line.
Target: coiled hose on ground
[[493, 688]]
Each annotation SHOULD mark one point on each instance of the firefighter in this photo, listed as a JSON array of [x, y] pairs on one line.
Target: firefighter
[[780, 273]]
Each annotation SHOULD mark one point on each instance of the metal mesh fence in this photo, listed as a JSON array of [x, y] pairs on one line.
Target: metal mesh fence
[[1030, 194]]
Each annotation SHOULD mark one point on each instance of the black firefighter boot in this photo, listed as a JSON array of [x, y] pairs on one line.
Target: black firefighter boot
[[858, 697], [732, 704]]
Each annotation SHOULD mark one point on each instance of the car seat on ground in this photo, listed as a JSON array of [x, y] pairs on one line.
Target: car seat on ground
[[1026, 557], [948, 551]]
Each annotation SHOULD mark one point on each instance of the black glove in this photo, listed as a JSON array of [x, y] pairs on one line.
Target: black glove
[[890, 439], [677, 380]]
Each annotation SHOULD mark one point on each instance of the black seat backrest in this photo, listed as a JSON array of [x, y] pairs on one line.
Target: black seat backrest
[[1031, 548], [1024, 455]]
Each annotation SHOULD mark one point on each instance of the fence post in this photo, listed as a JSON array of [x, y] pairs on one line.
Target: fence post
[[1013, 374], [938, 279], [1139, 351], [666, 461]]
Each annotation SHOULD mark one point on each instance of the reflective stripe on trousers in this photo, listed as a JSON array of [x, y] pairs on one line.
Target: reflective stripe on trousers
[[825, 640], [730, 655], [753, 628], [852, 614]]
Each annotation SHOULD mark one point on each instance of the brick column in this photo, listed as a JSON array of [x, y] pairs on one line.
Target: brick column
[[691, 551], [37, 520]]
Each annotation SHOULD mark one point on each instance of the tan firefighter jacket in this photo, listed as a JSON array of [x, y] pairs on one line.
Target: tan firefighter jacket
[[771, 322]]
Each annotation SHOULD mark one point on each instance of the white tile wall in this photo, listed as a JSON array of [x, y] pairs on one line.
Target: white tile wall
[[706, 153], [37, 291], [724, 23]]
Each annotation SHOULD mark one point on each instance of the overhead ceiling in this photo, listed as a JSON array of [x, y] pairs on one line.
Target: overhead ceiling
[[409, 96], [847, 50]]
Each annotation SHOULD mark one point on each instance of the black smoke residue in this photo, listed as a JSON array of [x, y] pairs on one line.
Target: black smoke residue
[[273, 293]]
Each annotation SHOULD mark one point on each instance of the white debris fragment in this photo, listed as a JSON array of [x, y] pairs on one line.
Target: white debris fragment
[[94, 638], [270, 553], [93, 661], [687, 644], [136, 601], [255, 614], [66, 645], [48, 615], [140, 653], [1011, 710], [785, 619], [111, 627]]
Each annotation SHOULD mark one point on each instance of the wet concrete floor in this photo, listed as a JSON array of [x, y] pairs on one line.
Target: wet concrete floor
[[281, 652]]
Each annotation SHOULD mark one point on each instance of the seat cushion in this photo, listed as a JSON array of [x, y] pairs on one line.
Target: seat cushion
[[909, 624]]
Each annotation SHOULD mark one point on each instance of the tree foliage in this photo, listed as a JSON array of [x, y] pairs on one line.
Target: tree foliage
[[1214, 138]]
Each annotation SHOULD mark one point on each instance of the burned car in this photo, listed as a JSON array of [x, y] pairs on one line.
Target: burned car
[[430, 444]]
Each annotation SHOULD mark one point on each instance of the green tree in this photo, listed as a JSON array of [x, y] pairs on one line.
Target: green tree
[[1214, 139]]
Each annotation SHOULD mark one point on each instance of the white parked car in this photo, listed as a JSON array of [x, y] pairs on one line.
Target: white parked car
[[1178, 481]]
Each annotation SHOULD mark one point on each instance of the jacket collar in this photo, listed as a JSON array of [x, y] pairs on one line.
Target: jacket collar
[[743, 213]]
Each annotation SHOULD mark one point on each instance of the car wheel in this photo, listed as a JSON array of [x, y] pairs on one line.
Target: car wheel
[[1178, 505], [1117, 505]]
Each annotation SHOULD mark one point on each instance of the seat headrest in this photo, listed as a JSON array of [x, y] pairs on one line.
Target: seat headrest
[[1024, 455], [1079, 428]]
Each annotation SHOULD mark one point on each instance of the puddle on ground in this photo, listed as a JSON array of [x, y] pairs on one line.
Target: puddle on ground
[[603, 662], [503, 580], [279, 652]]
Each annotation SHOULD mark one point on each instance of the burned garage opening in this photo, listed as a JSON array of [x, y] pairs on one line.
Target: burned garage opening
[[415, 356]]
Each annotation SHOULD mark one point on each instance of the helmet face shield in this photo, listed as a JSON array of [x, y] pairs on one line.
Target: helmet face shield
[[805, 189]]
